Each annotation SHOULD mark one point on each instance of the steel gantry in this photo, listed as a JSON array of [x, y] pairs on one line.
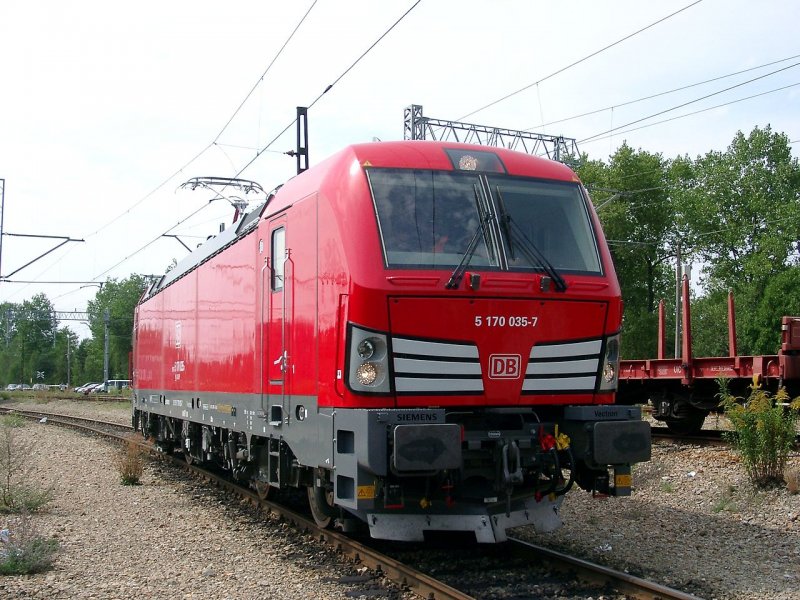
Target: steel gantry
[[418, 127]]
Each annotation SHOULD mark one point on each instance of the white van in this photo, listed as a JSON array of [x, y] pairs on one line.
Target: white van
[[117, 385]]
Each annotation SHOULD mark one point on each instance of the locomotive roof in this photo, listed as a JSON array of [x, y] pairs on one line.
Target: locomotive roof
[[416, 154], [214, 245]]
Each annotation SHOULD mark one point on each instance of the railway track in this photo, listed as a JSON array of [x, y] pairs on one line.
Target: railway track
[[436, 571]]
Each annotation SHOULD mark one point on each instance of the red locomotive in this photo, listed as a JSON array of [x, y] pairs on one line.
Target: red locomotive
[[422, 334]]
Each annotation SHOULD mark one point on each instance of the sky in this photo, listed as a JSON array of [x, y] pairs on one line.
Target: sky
[[107, 108]]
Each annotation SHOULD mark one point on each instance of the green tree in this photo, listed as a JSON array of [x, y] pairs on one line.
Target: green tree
[[632, 196], [33, 339], [743, 216], [118, 299]]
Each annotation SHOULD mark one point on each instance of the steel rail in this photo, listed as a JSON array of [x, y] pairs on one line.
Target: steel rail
[[624, 582], [50, 415]]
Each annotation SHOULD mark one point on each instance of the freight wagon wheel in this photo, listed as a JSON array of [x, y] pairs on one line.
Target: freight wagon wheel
[[321, 503], [689, 423], [187, 457], [263, 489]]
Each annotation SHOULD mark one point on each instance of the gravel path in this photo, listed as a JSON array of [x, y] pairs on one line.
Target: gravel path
[[693, 523]]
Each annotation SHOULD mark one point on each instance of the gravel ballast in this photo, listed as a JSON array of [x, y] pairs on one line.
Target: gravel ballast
[[693, 522]]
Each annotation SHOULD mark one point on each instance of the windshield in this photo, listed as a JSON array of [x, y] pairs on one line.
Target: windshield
[[551, 216], [428, 218]]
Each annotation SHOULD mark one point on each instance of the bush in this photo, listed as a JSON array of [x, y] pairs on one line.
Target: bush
[[763, 431], [23, 550], [13, 420], [130, 463]]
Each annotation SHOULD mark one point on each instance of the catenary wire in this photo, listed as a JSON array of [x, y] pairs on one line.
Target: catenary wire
[[650, 97], [577, 62], [661, 112], [270, 143], [330, 86], [696, 112], [264, 74], [197, 156]]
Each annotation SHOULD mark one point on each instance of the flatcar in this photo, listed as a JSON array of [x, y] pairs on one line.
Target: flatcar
[[424, 335]]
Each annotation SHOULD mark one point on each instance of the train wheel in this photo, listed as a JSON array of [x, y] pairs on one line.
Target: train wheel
[[188, 457], [321, 503], [689, 423], [263, 489]]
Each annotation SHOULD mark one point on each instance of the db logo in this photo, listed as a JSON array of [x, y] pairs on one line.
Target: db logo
[[504, 366]]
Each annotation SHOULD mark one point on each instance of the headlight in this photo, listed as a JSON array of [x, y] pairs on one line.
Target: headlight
[[368, 360], [365, 349], [366, 374], [610, 365]]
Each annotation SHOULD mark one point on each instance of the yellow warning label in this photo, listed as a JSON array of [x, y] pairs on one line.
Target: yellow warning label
[[623, 481], [366, 492], [366, 163]]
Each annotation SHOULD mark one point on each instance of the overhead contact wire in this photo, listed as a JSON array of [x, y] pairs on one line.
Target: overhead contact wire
[[665, 93], [661, 112], [696, 112], [213, 143], [330, 86], [577, 62], [264, 74]]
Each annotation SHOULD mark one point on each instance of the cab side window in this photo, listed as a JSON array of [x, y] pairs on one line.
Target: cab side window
[[278, 258]]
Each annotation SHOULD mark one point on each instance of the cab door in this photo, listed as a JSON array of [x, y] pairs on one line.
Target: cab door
[[277, 355]]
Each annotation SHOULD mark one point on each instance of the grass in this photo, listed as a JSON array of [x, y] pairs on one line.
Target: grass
[[17, 495], [792, 478], [725, 502], [130, 463], [23, 550]]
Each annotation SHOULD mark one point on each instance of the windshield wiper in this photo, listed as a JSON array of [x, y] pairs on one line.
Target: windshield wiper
[[527, 248], [458, 273], [505, 223]]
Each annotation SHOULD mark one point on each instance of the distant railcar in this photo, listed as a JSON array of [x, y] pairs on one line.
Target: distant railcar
[[422, 334]]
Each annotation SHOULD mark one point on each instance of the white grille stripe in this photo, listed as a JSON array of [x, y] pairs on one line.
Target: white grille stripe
[[588, 365], [567, 350], [409, 384], [405, 346], [557, 384], [436, 367], [462, 373]]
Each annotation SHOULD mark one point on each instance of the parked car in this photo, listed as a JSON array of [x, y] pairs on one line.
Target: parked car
[[13, 387], [94, 388], [39, 387], [82, 388]]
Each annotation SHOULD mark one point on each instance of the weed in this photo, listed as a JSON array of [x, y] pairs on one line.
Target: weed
[[23, 550], [725, 501], [792, 478], [763, 431], [667, 487], [16, 495], [13, 420], [130, 463]]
